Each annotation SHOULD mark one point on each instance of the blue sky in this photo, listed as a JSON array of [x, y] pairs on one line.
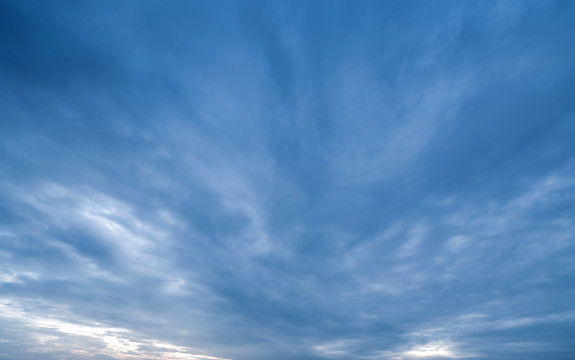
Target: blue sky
[[283, 180]]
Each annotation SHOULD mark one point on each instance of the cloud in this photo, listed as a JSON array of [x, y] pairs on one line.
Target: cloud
[[49, 335], [273, 180]]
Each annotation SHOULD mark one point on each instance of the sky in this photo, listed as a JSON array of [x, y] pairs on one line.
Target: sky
[[287, 180]]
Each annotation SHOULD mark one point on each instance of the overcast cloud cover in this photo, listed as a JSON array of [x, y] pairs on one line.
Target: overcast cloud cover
[[282, 180]]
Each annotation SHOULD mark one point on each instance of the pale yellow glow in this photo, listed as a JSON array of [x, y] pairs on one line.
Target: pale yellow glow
[[55, 335], [431, 350]]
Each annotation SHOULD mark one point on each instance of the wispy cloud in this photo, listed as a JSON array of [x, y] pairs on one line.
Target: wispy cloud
[[50, 336], [287, 180]]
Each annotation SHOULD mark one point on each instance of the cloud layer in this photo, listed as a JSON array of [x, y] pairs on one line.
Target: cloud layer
[[287, 180]]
